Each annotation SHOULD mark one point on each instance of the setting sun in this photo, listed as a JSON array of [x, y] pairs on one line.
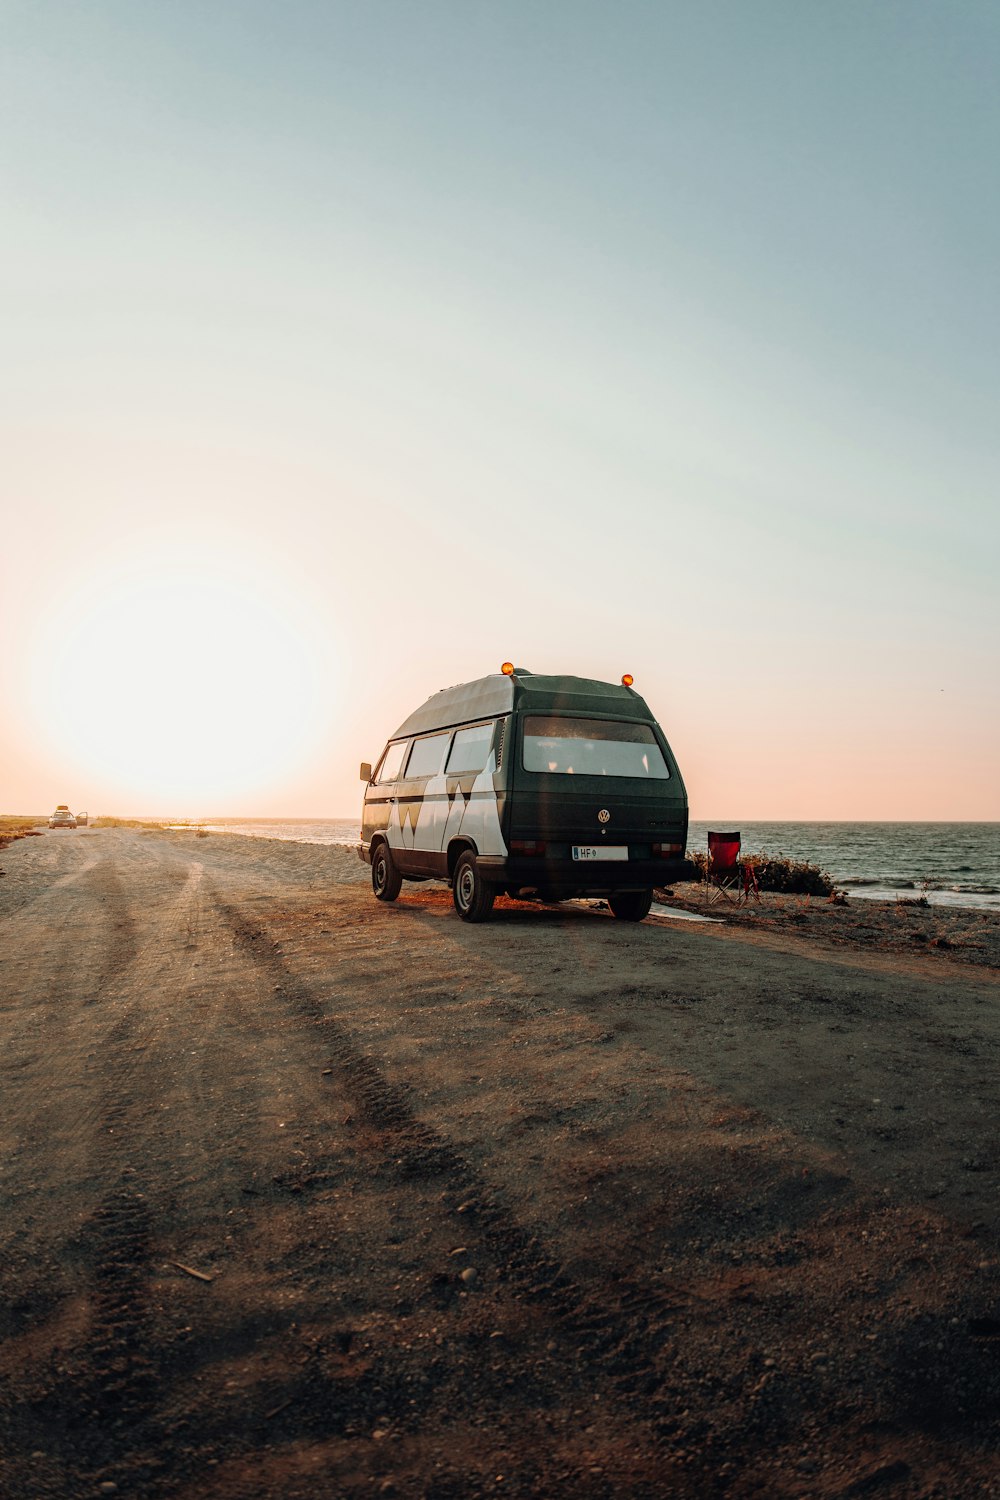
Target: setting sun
[[179, 683]]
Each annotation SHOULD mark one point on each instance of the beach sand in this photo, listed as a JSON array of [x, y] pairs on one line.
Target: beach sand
[[901, 928], [309, 1196]]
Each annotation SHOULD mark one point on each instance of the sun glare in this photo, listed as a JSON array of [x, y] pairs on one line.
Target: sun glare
[[182, 686]]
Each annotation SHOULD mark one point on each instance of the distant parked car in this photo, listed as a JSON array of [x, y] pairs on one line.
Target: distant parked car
[[81, 820], [62, 817]]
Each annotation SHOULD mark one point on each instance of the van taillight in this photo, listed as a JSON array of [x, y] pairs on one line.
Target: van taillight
[[667, 851], [527, 846]]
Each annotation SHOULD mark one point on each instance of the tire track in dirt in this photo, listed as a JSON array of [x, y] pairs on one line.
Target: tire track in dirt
[[95, 1103], [139, 1367], [137, 1363], [70, 963], [48, 1017], [101, 1397], [629, 1330], [37, 882], [127, 981]]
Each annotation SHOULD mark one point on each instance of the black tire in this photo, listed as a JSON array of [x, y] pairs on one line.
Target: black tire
[[472, 895], [386, 879], [631, 906]]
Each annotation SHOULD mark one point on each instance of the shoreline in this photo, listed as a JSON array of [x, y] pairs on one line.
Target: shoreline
[[935, 919], [870, 894], [941, 887], [919, 869]]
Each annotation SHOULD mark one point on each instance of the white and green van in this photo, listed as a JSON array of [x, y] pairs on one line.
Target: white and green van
[[534, 786]]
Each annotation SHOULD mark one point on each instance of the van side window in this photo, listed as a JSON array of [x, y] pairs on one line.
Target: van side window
[[471, 749], [427, 755], [391, 762]]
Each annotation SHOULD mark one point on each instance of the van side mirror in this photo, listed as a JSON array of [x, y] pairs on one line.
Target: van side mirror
[[366, 770]]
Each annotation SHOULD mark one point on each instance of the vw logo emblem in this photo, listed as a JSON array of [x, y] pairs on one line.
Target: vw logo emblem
[[604, 816]]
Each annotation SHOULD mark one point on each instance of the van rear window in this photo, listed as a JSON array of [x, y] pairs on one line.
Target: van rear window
[[592, 747]]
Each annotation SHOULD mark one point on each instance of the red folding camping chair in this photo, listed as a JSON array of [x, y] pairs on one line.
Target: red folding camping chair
[[726, 877]]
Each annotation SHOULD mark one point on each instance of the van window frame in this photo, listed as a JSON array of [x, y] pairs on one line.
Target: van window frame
[[592, 718], [434, 734], [378, 779], [487, 723]]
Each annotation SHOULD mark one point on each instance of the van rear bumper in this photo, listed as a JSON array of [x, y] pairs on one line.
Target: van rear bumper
[[570, 877]]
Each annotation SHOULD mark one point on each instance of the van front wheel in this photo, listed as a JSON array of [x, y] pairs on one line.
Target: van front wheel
[[472, 895], [631, 906], [386, 879]]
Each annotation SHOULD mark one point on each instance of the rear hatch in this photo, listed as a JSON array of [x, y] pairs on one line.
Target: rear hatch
[[596, 783]]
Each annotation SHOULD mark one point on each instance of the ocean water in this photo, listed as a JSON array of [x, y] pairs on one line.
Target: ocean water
[[952, 864], [295, 830]]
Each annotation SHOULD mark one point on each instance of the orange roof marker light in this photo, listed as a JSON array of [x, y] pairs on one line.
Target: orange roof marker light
[[627, 679], [508, 669]]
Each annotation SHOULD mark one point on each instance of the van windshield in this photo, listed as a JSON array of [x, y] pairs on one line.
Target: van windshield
[[592, 747]]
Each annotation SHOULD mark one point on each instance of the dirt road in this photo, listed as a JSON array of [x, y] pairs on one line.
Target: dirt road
[[305, 1196]]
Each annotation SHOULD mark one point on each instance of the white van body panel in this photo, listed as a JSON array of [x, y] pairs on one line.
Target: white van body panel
[[420, 825], [434, 821], [408, 824], [476, 817]]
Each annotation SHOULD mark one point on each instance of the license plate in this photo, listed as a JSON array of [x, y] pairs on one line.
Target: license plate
[[600, 851]]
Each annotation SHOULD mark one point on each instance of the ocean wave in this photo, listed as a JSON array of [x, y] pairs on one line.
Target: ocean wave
[[899, 883], [967, 887]]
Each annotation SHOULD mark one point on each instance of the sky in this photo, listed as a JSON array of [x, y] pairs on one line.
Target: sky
[[349, 350]]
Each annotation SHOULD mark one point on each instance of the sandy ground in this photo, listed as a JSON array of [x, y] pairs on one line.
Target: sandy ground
[[305, 1196]]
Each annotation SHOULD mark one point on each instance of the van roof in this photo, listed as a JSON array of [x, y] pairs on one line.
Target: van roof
[[489, 696]]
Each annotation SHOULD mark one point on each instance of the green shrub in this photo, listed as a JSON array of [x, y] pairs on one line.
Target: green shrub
[[794, 877]]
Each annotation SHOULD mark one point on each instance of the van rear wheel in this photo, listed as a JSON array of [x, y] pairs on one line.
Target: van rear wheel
[[472, 895], [386, 879], [631, 906]]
